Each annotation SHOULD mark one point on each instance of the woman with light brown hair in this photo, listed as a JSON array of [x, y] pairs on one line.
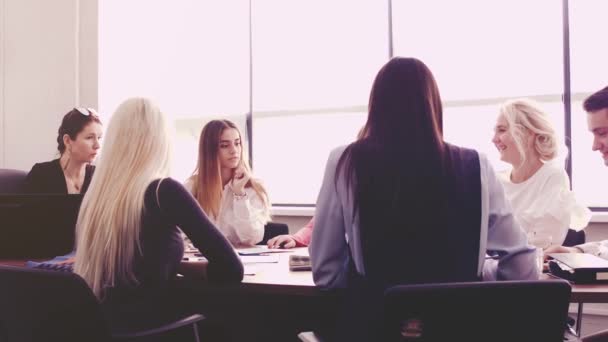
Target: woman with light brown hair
[[223, 186]]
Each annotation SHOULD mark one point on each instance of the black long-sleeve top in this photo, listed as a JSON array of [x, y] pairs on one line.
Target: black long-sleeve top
[[162, 244], [154, 301], [48, 178]]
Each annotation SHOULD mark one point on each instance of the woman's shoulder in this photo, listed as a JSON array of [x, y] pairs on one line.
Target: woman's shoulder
[[552, 171], [189, 184], [166, 183], [337, 152], [43, 166]]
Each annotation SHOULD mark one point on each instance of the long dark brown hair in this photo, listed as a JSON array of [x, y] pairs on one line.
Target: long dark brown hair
[[396, 169]]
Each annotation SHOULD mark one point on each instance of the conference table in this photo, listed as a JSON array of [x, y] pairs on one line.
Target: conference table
[[273, 276], [289, 301]]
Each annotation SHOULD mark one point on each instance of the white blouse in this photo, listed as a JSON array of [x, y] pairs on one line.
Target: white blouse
[[241, 220], [599, 248], [544, 205]]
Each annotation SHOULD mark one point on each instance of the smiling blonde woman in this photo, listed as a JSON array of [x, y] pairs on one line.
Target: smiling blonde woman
[[537, 185]]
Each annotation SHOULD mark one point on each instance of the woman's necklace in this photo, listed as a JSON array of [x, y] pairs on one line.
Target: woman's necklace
[[73, 183]]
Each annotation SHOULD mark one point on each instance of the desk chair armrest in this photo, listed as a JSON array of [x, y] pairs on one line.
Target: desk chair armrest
[[190, 320]]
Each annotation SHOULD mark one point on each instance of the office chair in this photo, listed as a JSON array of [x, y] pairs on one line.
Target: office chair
[[272, 229], [477, 311], [11, 181], [574, 238], [39, 305]]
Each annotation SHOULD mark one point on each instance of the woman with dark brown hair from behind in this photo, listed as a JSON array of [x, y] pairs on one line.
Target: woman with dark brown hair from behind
[[401, 206]]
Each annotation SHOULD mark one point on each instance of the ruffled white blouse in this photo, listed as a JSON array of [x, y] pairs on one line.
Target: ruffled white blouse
[[544, 205], [240, 219]]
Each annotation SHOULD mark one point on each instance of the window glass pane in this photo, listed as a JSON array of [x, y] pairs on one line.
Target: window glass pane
[[189, 56], [588, 48], [291, 151], [588, 55], [316, 54], [484, 49], [313, 68]]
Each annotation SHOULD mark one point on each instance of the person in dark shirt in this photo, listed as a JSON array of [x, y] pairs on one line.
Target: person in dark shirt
[[128, 245], [78, 141]]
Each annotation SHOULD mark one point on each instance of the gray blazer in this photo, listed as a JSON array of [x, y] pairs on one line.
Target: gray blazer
[[336, 232]]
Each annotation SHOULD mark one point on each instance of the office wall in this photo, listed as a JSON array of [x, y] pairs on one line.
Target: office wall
[[48, 65]]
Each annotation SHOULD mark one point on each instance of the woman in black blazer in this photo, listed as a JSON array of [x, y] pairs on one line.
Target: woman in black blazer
[[78, 143]]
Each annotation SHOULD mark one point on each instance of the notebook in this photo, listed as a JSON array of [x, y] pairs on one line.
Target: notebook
[[299, 263], [261, 250], [579, 267], [56, 264]]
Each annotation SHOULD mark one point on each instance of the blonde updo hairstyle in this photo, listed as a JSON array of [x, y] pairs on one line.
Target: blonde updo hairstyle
[[524, 116]]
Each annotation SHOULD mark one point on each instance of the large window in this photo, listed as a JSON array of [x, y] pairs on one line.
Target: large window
[[589, 58], [189, 56], [483, 53], [299, 72], [313, 65]]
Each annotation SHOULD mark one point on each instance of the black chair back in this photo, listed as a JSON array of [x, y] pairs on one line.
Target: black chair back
[[574, 238], [38, 305], [11, 181], [37, 225], [477, 311], [272, 229]]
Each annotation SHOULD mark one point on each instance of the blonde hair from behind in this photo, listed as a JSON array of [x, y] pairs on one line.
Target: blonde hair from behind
[[524, 116], [207, 179], [137, 151]]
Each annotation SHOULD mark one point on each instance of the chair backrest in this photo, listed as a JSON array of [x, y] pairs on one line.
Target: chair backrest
[[12, 181], [477, 311], [272, 229], [37, 225], [574, 238], [38, 305]]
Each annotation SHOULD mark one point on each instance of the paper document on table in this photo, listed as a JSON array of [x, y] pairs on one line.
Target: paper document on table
[[249, 269], [259, 259], [261, 250]]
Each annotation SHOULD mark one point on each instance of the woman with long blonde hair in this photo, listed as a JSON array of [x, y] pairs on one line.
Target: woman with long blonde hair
[[128, 245], [223, 186]]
